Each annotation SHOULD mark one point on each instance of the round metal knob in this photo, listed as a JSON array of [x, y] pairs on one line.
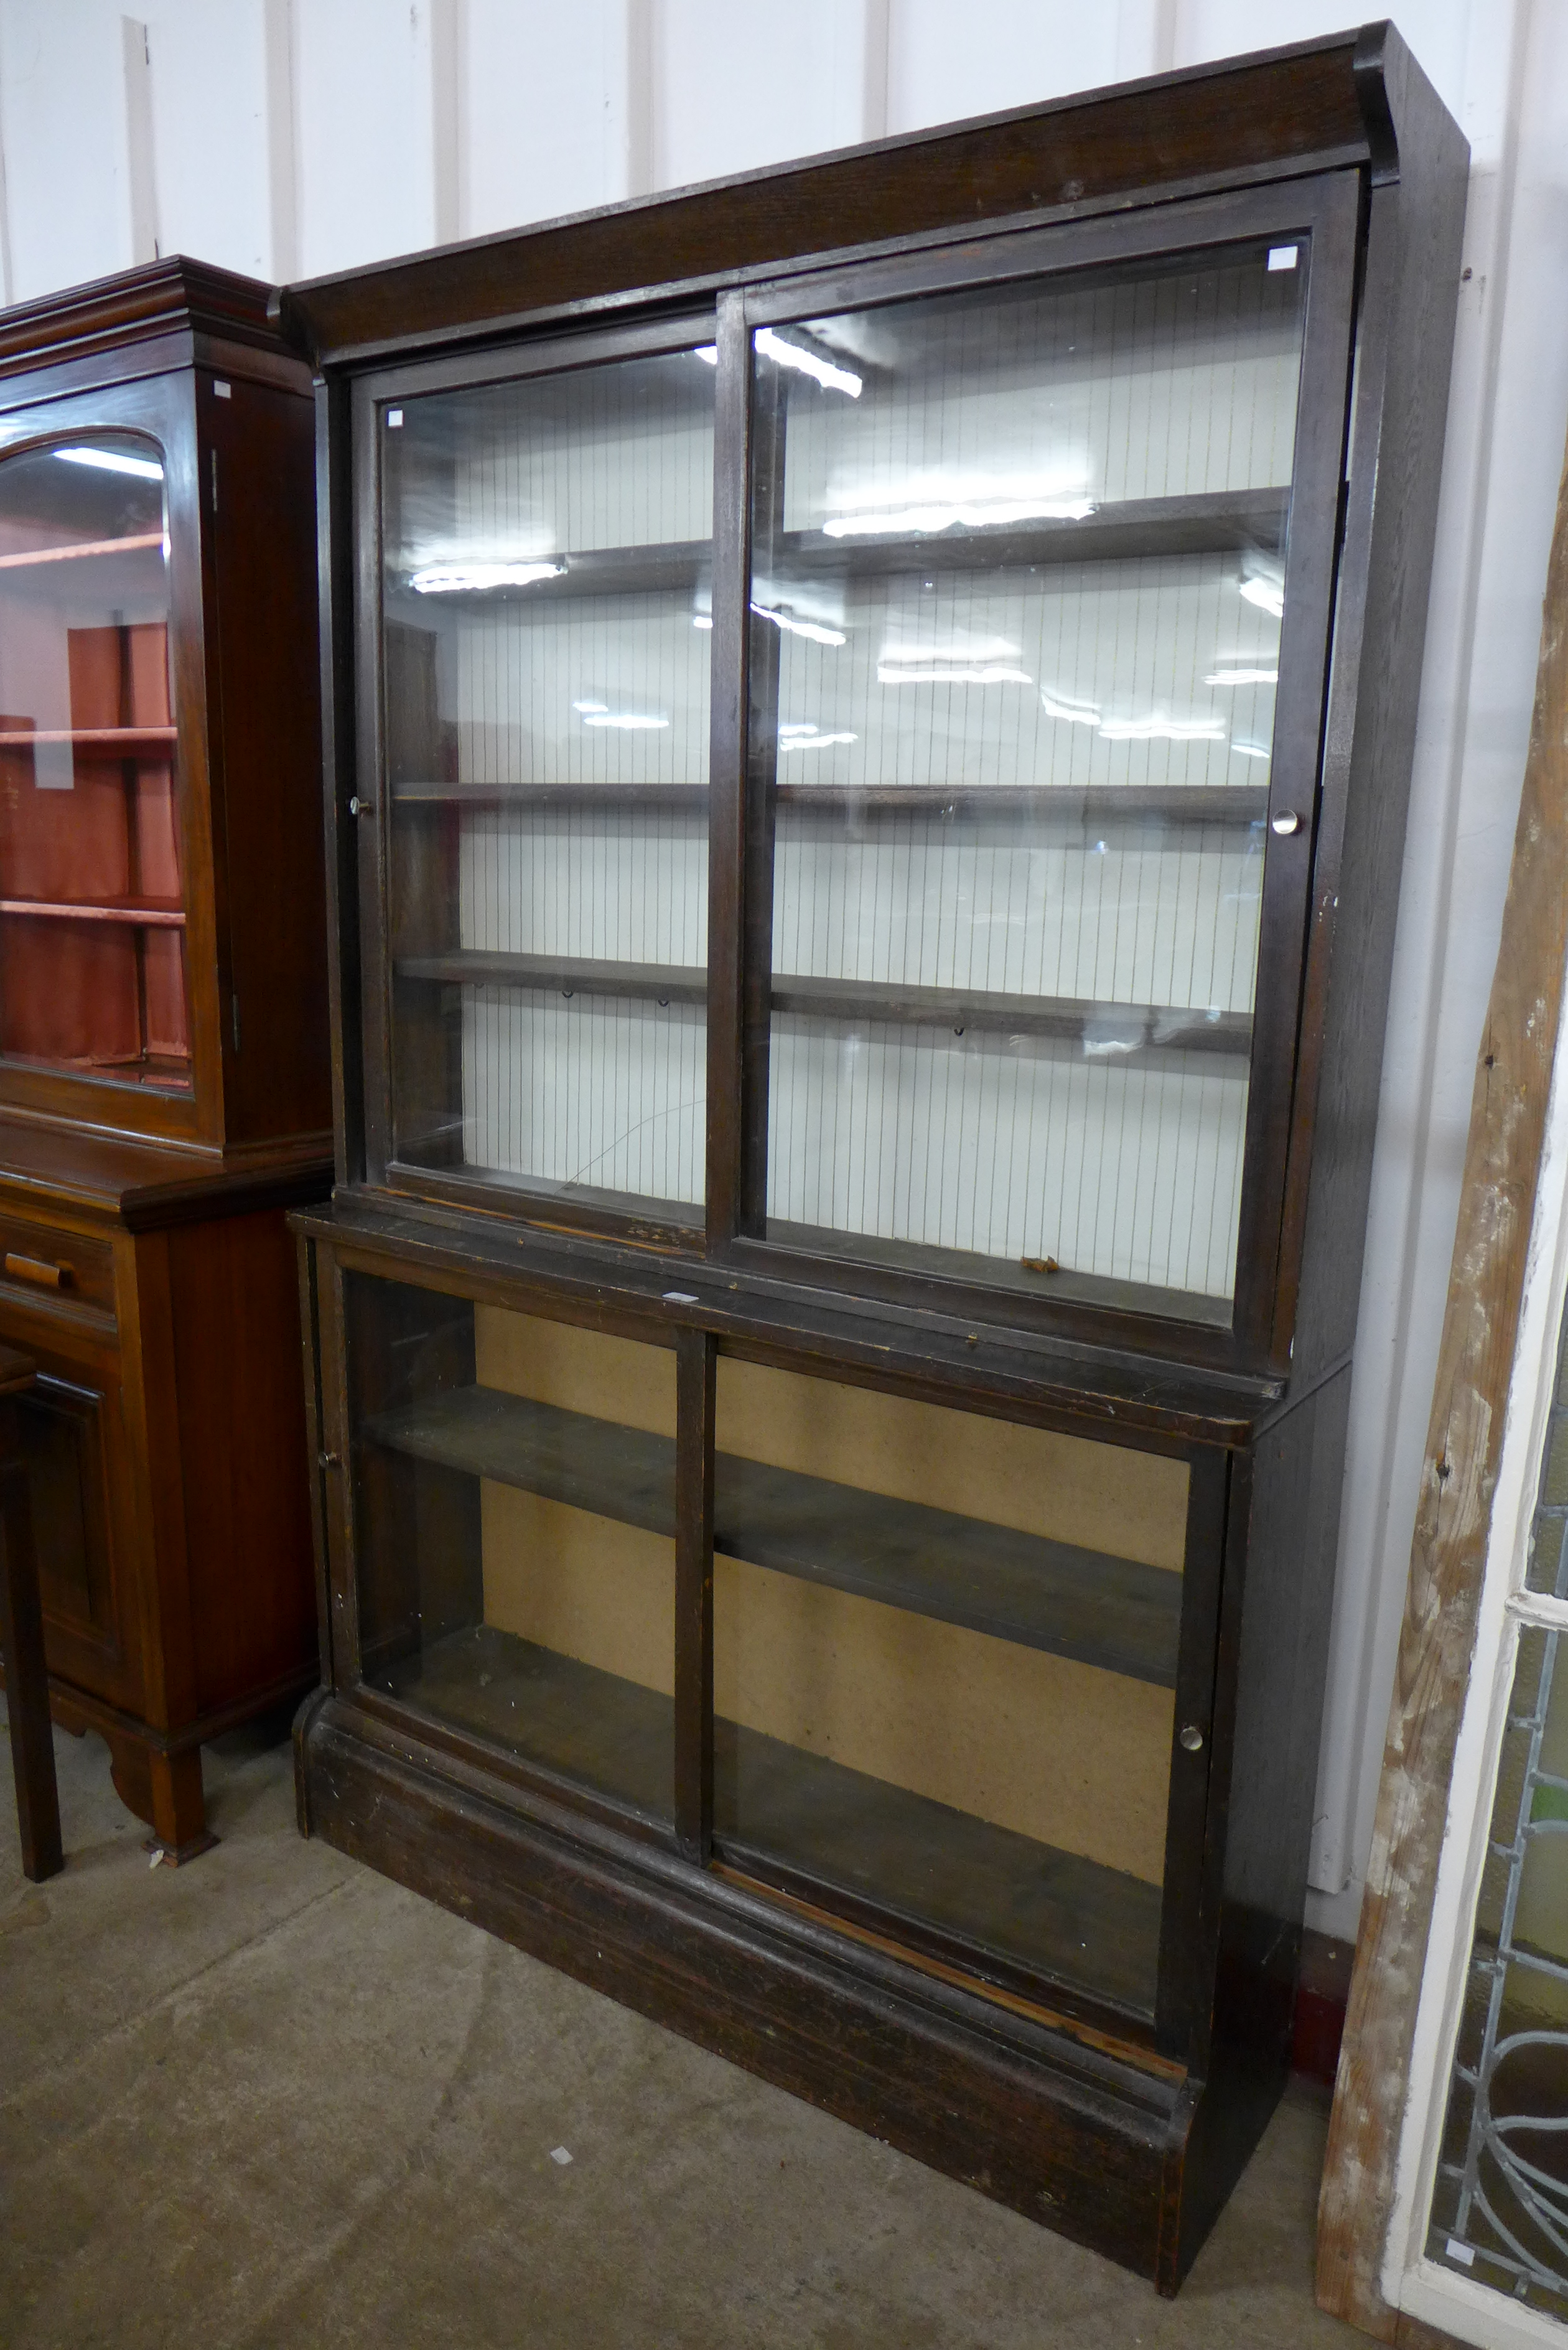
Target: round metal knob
[[1192, 1738], [1285, 823]]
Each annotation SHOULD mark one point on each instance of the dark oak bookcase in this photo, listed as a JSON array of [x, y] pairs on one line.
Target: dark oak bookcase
[[868, 715]]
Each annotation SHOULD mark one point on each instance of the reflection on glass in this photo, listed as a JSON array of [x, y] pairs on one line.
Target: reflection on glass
[[944, 1657], [546, 637], [514, 1500], [1017, 596], [92, 914]]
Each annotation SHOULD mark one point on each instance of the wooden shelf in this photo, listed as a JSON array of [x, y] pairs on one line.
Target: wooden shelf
[[1208, 523], [561, 974], [111, 741], [1241, 805], [1211, 523], [1095, 804], [1129, 1029], [999, 1898], [144, 913], [683, 796], [659, 569], [30, 557], [1104, 1611]]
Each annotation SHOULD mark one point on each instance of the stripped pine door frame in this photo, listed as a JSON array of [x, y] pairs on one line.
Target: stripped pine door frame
[[1506, 1234]]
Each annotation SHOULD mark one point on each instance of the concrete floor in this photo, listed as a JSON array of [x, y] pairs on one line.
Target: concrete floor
[[270, 2100]]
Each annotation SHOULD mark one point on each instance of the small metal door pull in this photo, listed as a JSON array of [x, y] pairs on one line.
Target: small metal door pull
[[1285, 823], [361, 807], [330, 1460], [1192, 1738]]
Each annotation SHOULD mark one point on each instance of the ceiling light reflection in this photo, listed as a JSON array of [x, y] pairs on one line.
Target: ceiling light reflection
[[473, 578], [1156, 727], [821, 370], [629, 722], [811, 631], [932, 672], [1074, 713], [112, 461]]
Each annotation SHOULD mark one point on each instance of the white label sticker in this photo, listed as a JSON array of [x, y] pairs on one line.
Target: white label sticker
[[395, 416], [1282, 256], [222, 388], [1460, 2252]]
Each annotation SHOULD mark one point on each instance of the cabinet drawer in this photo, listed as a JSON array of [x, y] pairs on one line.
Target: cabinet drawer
[[39, 1264]]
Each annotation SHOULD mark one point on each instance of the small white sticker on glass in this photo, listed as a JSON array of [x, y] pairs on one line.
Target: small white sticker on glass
[[1463, 2253], [394, 415], [1282, 256], [221, 389]]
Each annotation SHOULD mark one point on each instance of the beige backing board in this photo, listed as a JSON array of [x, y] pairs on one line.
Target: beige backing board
[[1075, 1757]]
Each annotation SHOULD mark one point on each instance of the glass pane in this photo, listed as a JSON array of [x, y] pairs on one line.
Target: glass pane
[[1017, 595], [944, 1662], [1499, 2204], [513, 1517], [1547, 1566], [93, 908], [546, 633]]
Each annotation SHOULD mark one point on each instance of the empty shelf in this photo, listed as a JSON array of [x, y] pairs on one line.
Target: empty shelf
[[562, 974], [143, 913], [1213, 521], [995, 1898], [1096, 805], [1109, 1612], [1115, 1030]]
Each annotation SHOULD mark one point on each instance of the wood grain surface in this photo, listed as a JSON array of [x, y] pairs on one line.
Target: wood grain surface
[[1502, 1159]]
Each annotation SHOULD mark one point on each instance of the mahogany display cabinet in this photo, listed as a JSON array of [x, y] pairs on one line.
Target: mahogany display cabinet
[[164, 1059], [868, 724]]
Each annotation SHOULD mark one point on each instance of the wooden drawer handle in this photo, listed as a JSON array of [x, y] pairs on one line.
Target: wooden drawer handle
[[38, 1269]]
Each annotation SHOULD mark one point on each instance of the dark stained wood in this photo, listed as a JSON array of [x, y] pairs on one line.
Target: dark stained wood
[[693, 1498], [648, 570], [763, 655], [22, 1640], [109, 313], [1128, 1029], [1295, 110], [1134, 803], [1043, 1376], [1097, 2052], [1413, 254], [1104, 1611], [267, 763], [1206, 523], [568, 974], [729, 1178], [1060, 2130]]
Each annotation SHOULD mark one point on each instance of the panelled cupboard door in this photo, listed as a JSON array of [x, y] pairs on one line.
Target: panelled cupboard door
[[999, 691], [80, 1479], [948, 1660]]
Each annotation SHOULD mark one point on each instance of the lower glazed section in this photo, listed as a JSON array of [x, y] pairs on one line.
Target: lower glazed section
[[1066, 2132]]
